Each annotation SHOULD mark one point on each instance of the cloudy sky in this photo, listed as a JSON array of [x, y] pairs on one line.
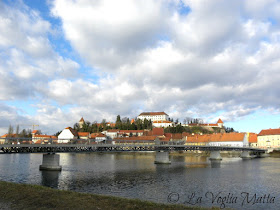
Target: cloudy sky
[[64, 59]]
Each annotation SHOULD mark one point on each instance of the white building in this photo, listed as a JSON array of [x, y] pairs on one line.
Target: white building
[[269, 138], [111, 133], [229, 139], [100, 137], [162, 123], [66, 135], [154, 116]]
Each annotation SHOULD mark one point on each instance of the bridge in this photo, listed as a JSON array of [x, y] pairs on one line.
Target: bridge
[[162, 149]]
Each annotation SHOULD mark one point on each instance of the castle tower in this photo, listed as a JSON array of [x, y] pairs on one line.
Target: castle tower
[[81, 122], [220, 123]]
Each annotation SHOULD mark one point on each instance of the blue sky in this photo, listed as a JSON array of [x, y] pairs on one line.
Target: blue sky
[[64, 59]]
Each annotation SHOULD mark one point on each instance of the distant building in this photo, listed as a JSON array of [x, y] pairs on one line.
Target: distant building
[[84, 135], [219, 124], [162, 123], [269, 138], [81, 122], [131, 133], [43, 139], [153, 116], [111, 133], [219, 139], [253, 139], [100, 137], [67, 134]]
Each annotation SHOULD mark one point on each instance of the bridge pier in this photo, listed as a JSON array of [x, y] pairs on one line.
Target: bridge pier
[[245, 155], [216, 159], [162, 157], [215, 155], [50, 162]]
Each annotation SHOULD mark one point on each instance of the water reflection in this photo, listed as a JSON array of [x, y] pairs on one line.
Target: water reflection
[[134, 175], [50, 178], [216, 163]]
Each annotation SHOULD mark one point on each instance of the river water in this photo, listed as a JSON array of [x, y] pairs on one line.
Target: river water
[[190, 180]]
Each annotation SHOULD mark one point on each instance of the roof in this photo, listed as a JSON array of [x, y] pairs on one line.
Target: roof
[[220, 121], [9, 135], [131, 131], [100, 135], [34, 131], [152, 113], [139, 138], [158, 132], [218, 137], [269, 132], [113, 130], [83, 134], [253, 138], [74, 132], [45, 136], [93, 135], [82, 120], [176, 136]]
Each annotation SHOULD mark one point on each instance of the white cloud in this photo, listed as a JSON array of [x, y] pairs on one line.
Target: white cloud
[[220, 56]]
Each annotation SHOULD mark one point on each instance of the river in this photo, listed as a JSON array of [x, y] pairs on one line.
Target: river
[[191, 180]]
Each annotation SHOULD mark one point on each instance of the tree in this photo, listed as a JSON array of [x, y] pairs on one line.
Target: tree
[[118, 122], [17, 130], [10, 130]]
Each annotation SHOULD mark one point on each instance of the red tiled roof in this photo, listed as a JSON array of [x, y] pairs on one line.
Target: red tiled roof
[[152, 113], [176, 136], [220, 121], [168, 134], [113, 130], [45, 136], [131, 131], [34, 131], [158, 131], [82, 120], [219, 137], [134, 138], [269, 132], [9, 135], [253, 138], [83, 134]]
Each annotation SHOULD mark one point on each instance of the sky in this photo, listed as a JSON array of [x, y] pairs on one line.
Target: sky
[[61, 60]]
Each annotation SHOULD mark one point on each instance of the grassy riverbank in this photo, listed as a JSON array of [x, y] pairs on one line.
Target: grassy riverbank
[[22, 196]]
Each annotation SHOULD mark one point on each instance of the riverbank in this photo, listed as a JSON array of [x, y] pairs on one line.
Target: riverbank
[[23, 196]]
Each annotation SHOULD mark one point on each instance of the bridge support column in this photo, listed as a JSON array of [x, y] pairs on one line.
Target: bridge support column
[[162, 157], [50, 162], [216, 159], [215, 155], [245, 155]]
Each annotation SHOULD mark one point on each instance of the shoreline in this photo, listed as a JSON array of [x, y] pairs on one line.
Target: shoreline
[[25, 196]]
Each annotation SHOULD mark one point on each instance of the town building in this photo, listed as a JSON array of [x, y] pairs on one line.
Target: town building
[[269, 138], [100, 137], [67, 135], [219, 139], [111, 133], [130, 133], [153, 116], [219, 124], [43, 139], [162, 123], [84, 135]]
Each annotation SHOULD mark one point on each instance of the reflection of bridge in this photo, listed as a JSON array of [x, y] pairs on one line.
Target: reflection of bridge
[[51, 160]]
